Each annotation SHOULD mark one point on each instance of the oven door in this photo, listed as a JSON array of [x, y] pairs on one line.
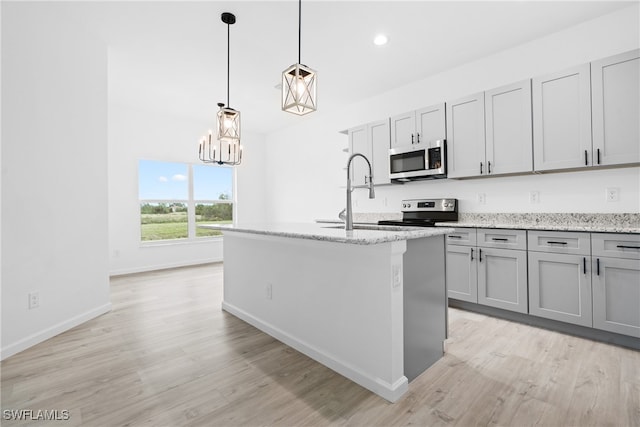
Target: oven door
[[407, 162]]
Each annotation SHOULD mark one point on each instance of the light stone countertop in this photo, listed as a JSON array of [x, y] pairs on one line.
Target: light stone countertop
[[369, 234], [596, 223]]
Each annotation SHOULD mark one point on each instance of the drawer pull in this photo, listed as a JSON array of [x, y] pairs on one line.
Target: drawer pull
[[553, 242], [499, 239], [451, 236], [628, 247]]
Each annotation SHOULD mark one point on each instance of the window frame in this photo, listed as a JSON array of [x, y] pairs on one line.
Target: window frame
[[190, 204]]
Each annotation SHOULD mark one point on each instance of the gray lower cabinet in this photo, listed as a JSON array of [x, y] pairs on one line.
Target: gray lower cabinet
[[502, 278], [560, 276], [462, 267], [493, 273], [560, 287], [616, 283]]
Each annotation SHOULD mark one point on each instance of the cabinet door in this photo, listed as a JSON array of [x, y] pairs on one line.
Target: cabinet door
[[616, 295], [560, 287], [358, 143], [462, 273], [502, 278], [403, 128], [508, 128], [378, 133], [615, 86], [562, 119], [465, 132], [431, 125]]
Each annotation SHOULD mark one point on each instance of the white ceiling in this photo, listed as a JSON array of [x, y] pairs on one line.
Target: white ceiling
[[171, 56]]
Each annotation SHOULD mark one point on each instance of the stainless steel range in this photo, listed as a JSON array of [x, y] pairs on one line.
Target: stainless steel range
[[425, 212]]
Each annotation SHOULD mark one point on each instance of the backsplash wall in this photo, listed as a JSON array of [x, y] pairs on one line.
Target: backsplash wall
[[582, 192]]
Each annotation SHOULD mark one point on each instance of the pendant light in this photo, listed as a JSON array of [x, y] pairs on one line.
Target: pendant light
[[225, 149], [299, 82]]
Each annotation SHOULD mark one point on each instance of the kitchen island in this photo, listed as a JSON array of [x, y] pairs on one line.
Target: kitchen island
[[368, 303]]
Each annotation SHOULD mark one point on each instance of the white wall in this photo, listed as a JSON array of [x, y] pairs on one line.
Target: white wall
[[54, 175], [308, 186], [136, 134]]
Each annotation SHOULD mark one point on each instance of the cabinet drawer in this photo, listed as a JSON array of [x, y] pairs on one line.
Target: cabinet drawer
[[501, 238], [562, 242], [462, 236], [616, 245]]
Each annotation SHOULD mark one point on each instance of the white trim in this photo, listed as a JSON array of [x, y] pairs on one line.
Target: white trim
[[164, 266], [390, 392], [52, 331]]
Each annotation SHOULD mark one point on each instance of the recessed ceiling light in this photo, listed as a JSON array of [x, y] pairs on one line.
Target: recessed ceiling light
[[380, 40]]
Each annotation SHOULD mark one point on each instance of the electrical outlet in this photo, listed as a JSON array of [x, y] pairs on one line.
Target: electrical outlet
[[34, 300], [269, 291], [613, 194], [397, 280], [534, 197], [482, 198]]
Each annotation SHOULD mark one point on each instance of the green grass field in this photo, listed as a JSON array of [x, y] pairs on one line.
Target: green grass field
[[173, 226]]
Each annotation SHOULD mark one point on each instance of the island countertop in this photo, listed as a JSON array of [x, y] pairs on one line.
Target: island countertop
[[361, 235]]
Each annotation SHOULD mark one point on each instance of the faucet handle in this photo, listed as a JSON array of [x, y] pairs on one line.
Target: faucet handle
[[343, 214]]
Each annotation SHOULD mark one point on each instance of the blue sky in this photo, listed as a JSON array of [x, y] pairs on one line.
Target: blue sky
[[169, 181]]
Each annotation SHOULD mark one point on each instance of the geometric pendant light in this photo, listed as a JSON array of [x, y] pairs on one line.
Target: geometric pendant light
[[225, 149], [299, 82]]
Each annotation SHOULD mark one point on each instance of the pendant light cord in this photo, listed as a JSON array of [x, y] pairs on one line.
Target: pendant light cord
[[228, 50], [299, 28]]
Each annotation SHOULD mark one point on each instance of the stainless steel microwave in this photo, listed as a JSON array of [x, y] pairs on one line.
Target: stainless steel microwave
[[413, 163]]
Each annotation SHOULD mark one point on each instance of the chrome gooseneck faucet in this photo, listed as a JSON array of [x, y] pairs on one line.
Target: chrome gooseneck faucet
[[349, 218]]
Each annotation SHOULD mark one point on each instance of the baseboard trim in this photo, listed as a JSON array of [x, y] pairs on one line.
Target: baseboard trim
[[166, 266], [390, 392], [52, 331]]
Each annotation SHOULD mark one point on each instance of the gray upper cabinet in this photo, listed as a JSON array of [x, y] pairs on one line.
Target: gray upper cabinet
[[466, 137], [378, 136], [615, 86], [358, 143], [562, 119], [372, 140], [508, 129], [422, 126], [490, 132]]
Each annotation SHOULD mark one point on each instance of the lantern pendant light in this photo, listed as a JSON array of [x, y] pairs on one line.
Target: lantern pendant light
[[299, 82], [225, 149]]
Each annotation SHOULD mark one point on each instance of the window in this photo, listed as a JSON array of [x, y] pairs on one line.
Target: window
[[177, 197]]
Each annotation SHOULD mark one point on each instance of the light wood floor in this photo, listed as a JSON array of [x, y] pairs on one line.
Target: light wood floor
[[168, 355]]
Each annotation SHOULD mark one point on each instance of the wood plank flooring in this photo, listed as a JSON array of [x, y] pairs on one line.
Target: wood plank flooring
[[167, 355]]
